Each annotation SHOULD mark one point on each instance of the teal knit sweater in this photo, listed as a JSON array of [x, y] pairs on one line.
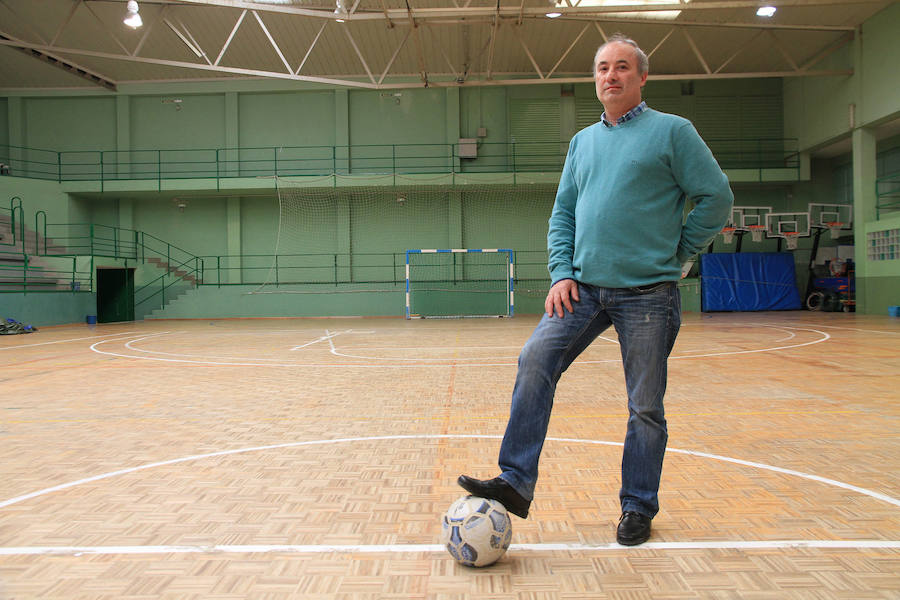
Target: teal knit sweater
[[618, 220]]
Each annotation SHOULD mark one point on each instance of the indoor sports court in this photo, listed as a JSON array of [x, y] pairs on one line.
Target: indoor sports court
[[266, 270], [313, 458]]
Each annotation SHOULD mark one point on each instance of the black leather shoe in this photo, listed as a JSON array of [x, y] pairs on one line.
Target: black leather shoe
[[496, 489], [634, 529]]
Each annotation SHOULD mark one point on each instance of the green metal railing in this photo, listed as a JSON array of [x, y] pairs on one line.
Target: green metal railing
[[887, 194], [20, 272], [12, 224], [219, 163], [69, 241], [331, 269]]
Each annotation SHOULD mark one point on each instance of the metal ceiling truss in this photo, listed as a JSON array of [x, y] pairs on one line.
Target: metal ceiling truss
[[498, 16]]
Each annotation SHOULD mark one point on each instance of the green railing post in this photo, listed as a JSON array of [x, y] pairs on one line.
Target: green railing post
[[218, 271], [335, 268], [276, 270], [513, 145], [159, 170], [37, 231], [59, 167], [275, 160]]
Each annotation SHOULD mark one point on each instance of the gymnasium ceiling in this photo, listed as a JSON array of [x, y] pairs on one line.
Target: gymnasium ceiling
[[379, 44]]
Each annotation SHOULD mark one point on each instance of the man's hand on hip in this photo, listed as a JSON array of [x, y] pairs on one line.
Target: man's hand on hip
[[560, 296]]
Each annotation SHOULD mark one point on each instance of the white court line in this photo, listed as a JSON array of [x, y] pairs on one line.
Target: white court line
[[459, 361], [93, 337], [328, 336], [436, 548], [832, 482]]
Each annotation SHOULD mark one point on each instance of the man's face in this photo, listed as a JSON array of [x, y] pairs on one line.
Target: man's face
[[617, 76]]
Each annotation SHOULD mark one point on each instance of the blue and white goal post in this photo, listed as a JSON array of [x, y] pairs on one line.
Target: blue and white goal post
[[459, 282]]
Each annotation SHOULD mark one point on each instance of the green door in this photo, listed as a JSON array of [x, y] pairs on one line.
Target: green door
[[115, 295]]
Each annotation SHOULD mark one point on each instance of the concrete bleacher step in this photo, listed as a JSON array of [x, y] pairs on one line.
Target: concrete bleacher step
[[13, 273], [184, 275]]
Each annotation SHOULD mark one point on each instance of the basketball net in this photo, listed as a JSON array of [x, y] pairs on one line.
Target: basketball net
[[790, 239], [756, 231], [834, 227], [728, 234]]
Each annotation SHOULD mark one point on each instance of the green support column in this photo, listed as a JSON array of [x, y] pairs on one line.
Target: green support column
[[123, 136], [455, 229], [16, 119], [453, 132], [455, 233], [341, 131], [864, 199], [233, 241], [343, 259], [231, 167]]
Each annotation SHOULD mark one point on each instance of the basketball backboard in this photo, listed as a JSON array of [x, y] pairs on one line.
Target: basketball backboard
[[834, 217], [778, 224], [820, 215], [743, 217]]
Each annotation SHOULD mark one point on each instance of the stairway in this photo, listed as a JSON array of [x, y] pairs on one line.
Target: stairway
[[183, 275]]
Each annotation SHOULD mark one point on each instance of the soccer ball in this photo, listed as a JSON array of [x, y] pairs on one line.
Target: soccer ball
[[476, 531]]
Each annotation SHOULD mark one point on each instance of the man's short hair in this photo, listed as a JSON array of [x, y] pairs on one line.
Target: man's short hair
[[643, 61]]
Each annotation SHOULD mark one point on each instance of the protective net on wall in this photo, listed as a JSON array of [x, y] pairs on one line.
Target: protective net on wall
[[351, 235]]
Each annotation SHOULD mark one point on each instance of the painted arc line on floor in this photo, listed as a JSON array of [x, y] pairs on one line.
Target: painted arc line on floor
[[174, 461], [93, 337], [434, 548], [442, 364]]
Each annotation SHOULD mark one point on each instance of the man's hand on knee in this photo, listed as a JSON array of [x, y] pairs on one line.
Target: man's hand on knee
[[561, 296]]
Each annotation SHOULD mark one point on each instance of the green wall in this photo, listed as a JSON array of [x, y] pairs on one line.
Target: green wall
[[197, 122], [4, 122], [70, 123], [821, 111], [286, 119], [817, 109]]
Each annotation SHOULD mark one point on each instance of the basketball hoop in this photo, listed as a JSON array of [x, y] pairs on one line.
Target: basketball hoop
[[834, 227], [837, 267], [728, 234], [790, 239], [756, 231]]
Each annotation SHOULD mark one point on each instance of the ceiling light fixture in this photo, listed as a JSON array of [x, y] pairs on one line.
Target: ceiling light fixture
[[132, 17], [659, 15], [339, 11], [765, 11], [554, 9]]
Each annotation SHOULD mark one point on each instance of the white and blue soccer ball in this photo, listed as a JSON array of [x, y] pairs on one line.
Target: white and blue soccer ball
[[476, 531]]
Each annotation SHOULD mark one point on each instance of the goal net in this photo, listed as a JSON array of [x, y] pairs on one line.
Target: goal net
[[459, 283], [349, 235]]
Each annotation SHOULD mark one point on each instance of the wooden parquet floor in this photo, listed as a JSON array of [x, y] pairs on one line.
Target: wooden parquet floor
[[312, 458]]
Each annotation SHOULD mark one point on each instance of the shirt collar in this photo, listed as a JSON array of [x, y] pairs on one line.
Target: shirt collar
[[627, 116]]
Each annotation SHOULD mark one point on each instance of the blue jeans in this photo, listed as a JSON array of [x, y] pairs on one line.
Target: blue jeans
[[646, 320]]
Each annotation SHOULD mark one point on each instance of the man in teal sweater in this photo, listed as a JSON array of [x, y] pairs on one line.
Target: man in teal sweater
[[617, 242]]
